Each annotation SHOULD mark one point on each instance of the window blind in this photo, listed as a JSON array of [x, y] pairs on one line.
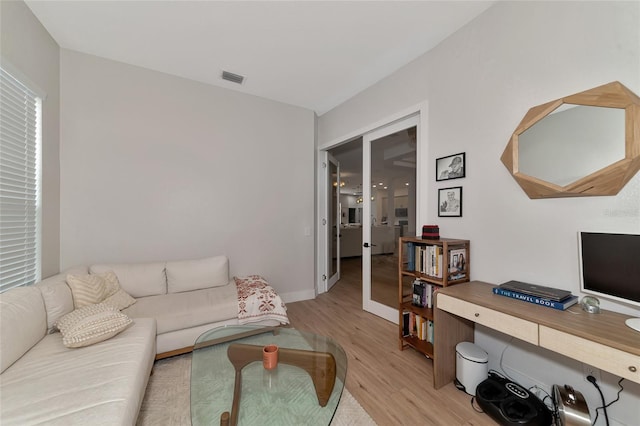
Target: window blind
[[20, 114]]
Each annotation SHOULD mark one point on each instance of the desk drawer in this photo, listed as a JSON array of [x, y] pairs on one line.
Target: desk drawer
[[615, 361], [512, 326]]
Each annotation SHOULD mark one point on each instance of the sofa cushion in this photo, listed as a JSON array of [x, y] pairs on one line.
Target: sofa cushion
[[177, 311], [91, 324], [58, 300], [87, 289], [138, 279], [97, 385], [23, 323], [198, 274]]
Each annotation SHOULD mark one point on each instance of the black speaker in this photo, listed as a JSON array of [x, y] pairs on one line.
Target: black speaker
[[510, 404]]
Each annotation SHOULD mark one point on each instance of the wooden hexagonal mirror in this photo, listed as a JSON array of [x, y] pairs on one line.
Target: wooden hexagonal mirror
[[582, 145]]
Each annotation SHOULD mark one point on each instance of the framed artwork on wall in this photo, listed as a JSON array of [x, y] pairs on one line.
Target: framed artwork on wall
[[450, 202], [450, 167]]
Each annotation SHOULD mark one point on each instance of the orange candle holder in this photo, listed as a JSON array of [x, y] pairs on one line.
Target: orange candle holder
[[270, 357]]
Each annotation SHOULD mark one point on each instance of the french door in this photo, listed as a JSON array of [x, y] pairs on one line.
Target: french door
[[389, 210]]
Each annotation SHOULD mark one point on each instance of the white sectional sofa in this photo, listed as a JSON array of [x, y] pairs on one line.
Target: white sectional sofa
[[44, 382], [186, 298]]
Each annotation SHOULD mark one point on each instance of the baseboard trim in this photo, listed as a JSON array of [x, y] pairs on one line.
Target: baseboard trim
[[297, 296]]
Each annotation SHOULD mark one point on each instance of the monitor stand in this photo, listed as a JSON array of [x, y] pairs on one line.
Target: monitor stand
[[633, 323]]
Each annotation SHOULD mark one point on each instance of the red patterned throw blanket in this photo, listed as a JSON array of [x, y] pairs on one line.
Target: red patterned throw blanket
[[258, 301]]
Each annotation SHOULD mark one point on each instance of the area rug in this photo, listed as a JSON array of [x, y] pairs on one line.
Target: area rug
[[166, 401]]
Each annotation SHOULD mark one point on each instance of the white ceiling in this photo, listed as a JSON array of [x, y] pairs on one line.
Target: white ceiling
[[312, 54]]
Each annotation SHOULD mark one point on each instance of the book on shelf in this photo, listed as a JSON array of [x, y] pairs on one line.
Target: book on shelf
[[428, 260], [420, 327], [541, 301], [411, 257], [423, 328], [429, 289], [422, 294], [418, 296], [405, 323], [412, 323], [457, 276], [417, 326]]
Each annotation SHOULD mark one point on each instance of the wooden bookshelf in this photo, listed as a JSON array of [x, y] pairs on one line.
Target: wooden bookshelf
[[412, 265]]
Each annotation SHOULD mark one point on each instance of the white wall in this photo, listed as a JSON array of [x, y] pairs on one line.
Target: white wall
[[31, 50], [479, 83], [155, 167]]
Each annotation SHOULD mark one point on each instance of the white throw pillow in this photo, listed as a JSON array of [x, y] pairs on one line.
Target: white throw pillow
[[91, 324], [98, 288], [111, 282], [116, 296], [137, 279], [119, 300], [87, 289], [189, 275]]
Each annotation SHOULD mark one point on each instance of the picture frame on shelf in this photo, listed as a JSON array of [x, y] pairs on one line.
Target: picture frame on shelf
[[451, 167], [450, 202]]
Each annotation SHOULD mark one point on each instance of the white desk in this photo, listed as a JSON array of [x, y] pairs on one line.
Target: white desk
[[601, 340]]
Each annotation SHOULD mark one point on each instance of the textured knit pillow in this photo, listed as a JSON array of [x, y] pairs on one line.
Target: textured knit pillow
[[116, 296], [87, 289], [91, 324]]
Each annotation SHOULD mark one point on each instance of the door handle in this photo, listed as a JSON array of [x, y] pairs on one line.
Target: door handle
[[368, 245]]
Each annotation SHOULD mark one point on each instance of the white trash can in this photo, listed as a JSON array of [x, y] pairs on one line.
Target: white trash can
[[471, 366]]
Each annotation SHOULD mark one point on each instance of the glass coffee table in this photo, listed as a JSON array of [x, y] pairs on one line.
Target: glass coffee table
[[297, 392]]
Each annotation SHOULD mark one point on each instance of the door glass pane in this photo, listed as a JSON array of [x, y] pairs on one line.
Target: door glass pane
[[348, 158], [393, 208], [333, 214]]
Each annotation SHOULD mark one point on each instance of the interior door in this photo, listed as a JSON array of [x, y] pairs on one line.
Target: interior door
[[333, 215], [389, 201]]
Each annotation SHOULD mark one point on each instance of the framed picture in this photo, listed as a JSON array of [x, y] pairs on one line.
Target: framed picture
[[451, 167], [450, 202]]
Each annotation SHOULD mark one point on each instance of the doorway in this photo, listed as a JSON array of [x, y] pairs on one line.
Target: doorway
[[373, 215]]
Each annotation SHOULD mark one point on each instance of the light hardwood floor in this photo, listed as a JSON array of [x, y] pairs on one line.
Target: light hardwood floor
[[394, 386]]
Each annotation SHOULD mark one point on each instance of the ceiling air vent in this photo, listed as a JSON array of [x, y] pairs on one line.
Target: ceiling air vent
[[234, 78]]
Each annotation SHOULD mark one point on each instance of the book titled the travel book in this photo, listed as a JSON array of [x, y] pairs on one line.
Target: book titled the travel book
[[541, 301]]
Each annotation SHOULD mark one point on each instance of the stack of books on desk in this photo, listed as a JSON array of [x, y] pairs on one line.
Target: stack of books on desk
[[540, 295]]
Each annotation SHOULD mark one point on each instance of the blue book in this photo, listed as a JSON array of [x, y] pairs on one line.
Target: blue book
[[411, 253], [561, 306]]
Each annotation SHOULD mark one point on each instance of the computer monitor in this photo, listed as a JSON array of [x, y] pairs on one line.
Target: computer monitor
[[610, 266]]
